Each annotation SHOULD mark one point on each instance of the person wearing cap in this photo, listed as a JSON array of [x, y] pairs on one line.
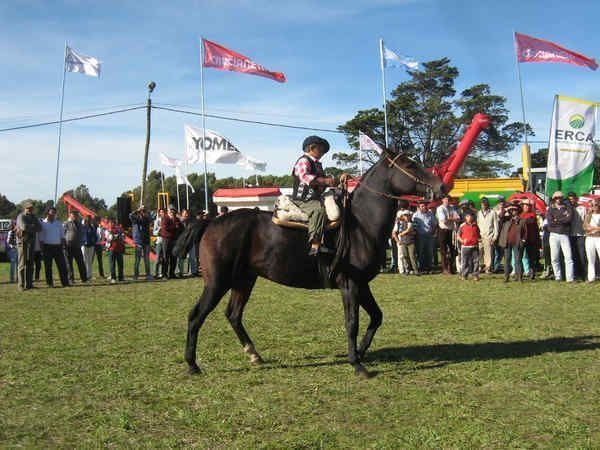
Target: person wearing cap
[[447, 219], [27, 227], [73, 231], [488, 223], [309, 183], [533, 241], [560, 216], [140, 230], [577, 237], [513, 236], [425, 226], [170, 227]]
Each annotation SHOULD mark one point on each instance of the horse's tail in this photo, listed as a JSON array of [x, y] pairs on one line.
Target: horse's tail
[[191, 235]]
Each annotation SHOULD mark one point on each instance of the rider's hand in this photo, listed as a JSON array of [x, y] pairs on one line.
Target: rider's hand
[[345, 177]]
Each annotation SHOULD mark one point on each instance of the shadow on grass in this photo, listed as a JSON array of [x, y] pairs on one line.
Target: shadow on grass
[[439, 355], [454, 353]]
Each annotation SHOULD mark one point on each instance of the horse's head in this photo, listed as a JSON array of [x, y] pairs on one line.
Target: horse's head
[[406, 176]]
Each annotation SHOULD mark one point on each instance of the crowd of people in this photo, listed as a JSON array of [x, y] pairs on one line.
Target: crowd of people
[[510, 238], [79, 242]]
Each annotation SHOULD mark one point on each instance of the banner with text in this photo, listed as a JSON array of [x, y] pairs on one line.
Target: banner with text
[[219, 150], [571, 151]]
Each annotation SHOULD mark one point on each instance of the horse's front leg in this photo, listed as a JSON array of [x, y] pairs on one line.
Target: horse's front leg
[[350, 298], [367, 301]]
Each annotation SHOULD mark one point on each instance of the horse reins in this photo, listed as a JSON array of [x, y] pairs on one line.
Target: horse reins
[[392, 163]]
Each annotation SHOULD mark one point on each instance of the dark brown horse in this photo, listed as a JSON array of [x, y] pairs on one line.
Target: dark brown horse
[[237, 248]]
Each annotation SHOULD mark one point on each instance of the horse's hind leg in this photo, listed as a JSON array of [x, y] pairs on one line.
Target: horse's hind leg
[[240, 293], [368, 303], [206, 303]]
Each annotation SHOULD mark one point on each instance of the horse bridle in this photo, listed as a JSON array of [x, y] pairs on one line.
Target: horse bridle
[[416, 179]]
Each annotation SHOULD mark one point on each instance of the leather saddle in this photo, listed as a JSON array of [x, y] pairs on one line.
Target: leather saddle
[[288, 215]]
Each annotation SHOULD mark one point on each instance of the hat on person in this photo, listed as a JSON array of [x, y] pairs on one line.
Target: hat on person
[[402, 212], [514, 206], [27, 205], [484, 200], [463, 202], [557, 194], [525, 201], [172, 208], [315, 140]]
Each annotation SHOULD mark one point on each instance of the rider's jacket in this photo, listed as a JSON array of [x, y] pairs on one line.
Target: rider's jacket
[[305, 170]]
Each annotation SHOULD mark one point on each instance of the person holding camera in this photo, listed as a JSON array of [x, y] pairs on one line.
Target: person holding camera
[[559, 216], [27, 228]]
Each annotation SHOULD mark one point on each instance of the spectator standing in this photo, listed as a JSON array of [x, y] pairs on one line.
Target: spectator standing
[[38, 256], [404, 235], [73, 246], [52, 238], [99, 248], [140, 226], [191, 256], [577, 236], [468, 236], [158, 249], [169, 229], [88, 244], [513, 236], [532, 243], [500, 210], [591, 226], [446, 218], [115, 246], [11, 245], [27, 227], [425, 226], [223, 210], [547, 273], [560, 216], [487, 221]]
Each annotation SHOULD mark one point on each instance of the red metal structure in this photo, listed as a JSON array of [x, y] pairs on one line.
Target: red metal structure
[[73, 204]]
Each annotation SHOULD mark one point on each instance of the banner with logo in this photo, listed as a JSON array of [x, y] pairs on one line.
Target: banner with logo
[[571, 151], [222, 58], [219, 150], [530, 49]]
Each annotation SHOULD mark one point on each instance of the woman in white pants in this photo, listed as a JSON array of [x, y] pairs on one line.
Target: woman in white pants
[[591, 225]]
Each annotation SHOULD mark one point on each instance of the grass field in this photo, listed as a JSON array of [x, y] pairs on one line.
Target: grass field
[[457, 364]]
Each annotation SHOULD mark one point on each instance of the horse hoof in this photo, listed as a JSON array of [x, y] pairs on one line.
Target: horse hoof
[[363, 373], [195, 370], [256, 359]]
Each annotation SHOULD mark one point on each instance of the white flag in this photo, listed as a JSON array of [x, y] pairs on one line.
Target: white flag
[[76, 62], [219, 150], [182, 179], [392, 59], [366, 143], [169, 162]]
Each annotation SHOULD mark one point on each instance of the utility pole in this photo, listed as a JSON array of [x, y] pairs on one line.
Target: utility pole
[[151, 87]]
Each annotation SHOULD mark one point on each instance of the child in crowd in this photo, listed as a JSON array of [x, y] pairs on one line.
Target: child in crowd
[[469, 236]]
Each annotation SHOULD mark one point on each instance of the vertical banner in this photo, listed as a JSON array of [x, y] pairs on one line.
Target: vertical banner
[[571, 151]]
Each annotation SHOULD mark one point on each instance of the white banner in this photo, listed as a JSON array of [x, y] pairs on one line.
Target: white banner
[[366, 143], [182, 179], [571, 150], [169, 162], [219, 150], [76, 62]]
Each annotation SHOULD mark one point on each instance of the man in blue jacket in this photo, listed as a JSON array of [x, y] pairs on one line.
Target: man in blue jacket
[[140, 227]]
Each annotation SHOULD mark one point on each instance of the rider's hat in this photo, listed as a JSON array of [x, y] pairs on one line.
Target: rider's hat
[[312, 140]]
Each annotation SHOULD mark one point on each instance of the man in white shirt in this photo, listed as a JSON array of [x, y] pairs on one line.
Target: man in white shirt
[[487, 221], [447, 218], [52, 239]]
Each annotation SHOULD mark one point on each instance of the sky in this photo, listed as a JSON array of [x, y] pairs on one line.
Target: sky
[[328, 50]]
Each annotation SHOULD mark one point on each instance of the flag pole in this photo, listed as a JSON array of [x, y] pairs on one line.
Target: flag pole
[[385, 121], [60, 118], [203, 121], [187, 191], [522, 103]]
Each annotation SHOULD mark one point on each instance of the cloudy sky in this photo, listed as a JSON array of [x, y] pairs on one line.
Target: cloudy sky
[[327, 49]]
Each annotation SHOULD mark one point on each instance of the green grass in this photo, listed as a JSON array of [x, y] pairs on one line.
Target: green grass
[[457, 364]]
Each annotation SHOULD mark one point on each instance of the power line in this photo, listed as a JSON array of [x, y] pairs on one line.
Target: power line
[[271, 124], [73, 119]]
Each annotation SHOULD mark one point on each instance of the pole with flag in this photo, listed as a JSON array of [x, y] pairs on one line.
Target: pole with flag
[[203, 122], [73, 62], [382, 61]]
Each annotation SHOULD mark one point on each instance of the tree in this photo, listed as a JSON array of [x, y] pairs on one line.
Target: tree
[[426, 120], [7, 208]]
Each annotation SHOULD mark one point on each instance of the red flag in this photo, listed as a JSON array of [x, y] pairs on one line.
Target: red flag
[[219, 57], [530, 49]]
